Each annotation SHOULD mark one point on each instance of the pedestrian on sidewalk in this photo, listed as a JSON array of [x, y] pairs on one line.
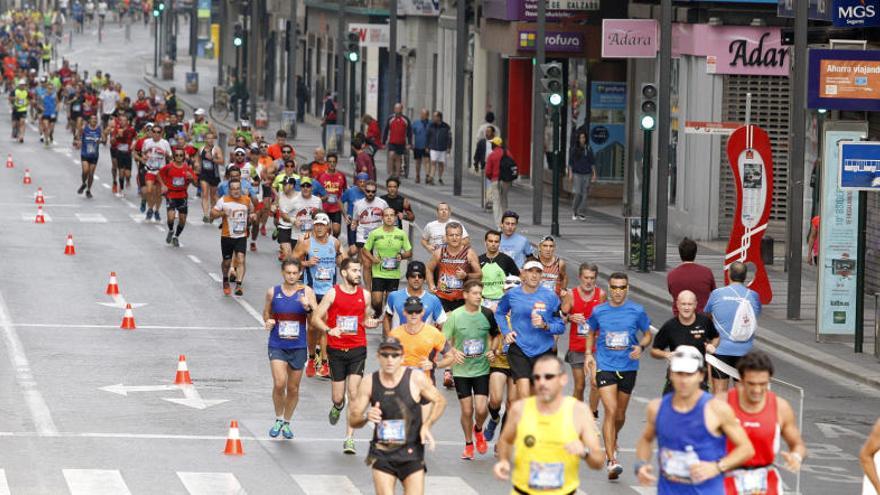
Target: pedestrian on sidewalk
[[397, 135], [691, 276], [420, 144], [734, 310], [490, 122], [302, 95], [329, 116], [582, 173], [483, 149], [439, 144], [500, 177]]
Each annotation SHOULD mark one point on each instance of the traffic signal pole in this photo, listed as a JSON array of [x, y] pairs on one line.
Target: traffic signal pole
[[537, 168], [341, 110], [664, 122], [646, 208], [460, 61], [556, 168]]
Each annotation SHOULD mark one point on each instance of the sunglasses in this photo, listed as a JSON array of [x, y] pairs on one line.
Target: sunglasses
[[370, 191], [416, 275], [179, 155], [393, 355], [618, 287], [413, 312], [546, 376], [239, 154], [305, 185]]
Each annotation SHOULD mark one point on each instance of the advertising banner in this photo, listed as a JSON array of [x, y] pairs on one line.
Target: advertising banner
[[557, 9], [856, 13], [838, 237], [607, 95], [860, 166], [554, 41], [745, 50], [630, 38], [371, 35], [844, 80]]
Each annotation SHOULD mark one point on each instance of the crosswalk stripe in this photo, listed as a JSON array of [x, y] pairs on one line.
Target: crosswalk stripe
[[444, 485], [315, 484], [91, 217], [30, 217], [137, 217], [211, 483], [4, 486], [95, 482]]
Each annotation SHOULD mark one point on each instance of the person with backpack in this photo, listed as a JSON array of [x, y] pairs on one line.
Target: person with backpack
[[501, 171], [734, 310], [582, 173]]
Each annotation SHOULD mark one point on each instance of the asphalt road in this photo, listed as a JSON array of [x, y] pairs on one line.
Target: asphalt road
[[61, 431]]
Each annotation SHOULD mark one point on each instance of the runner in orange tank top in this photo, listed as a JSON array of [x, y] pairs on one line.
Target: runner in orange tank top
[[554, 276], [450, 266]]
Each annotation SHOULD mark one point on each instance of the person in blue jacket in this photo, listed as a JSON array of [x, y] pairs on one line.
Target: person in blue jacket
[[420, 141]]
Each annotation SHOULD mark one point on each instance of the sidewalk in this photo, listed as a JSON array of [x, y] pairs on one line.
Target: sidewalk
[[599, 240]]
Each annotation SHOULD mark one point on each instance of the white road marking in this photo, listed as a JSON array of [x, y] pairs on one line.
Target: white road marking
[[140, 327], [4, 485], [91, 217], [216, 277], [644, 490], [95, 482], [193, 399], [250, 309], [30, 217], [160, 228], [120, 302], [121, 389], [77, 162], [194, 259], [43, 422], [130, 204], [137, 217], [315, 484], [211, 483], [96, 177], [105, 185], [444, 485]]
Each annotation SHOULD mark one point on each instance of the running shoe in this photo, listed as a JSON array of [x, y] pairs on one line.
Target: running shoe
[[468, 453], [489, 430], [169, 236], [263, 231], [348, 446], [325, 370], [175, 242], [582, 217], [310, 368], [336, 412], [89, 193], [143, 205], [253, 246], [239, 290], [115, 188], [480, 442], [285, 430], [226, 289], [574, 217], [614, 469], [447, 379], [149, 215], [276, 428], [156, 216], [206, 219], [81, 189]]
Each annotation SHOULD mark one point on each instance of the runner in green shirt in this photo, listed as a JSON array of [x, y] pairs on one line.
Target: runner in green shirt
[[469, 330], [496, 267], [385, 248]]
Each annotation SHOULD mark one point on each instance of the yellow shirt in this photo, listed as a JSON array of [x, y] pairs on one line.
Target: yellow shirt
[[541, 464]]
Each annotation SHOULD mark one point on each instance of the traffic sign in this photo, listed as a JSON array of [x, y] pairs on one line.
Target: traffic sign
[[859, 166]]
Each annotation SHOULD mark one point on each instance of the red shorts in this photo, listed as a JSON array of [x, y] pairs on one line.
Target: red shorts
[[150, 177]]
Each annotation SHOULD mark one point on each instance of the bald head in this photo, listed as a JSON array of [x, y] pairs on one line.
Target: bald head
[[686, 302]]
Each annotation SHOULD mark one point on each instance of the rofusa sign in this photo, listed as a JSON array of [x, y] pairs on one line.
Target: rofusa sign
[[629, 38], [554, 41], [856, 13]]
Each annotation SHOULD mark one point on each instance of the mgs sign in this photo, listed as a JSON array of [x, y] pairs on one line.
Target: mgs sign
[[856, 13]]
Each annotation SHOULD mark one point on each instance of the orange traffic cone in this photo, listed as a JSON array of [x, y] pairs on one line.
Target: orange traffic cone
[[233, 440], [40, 218], [182, 376], [9, 163], [38, 199], [112, 286], [27, 176], [69, 249], [128, 319]]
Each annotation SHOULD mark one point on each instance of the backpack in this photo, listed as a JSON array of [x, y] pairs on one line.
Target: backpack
[[507, 170], [745, 323]]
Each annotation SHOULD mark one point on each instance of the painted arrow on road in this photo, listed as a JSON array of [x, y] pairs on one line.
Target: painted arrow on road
[[191, 395], [125, 389], [119, 302]]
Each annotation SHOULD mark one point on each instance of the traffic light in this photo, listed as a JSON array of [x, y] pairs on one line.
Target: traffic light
[[353, 47], [161, 6], [648, 106], [551, 83], [237, 35]]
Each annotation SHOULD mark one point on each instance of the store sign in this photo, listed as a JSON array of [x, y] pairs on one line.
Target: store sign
[[629, 38], [605, 95], [820, 10], [755, 51], [860, 166], [418, 7], [751, 160], [838, 237], [856, 13], [844, 80], [710, 128], [557, 9], [554, 41], [371, 35]]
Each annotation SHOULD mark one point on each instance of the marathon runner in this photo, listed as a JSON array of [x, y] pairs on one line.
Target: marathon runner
[[415, 287], [49, 116], [450, 266], [547, 436], [285, 208], [554, 276], [691, 429], [765, 417], [500, 379], [335, 184], [305, 206], [200, 128], [421, 342], [469, 330], [155, 152], [122, 136], [174, 179], [687, 328], [393, 399], [615, 326], [385, 248], [367, 217], [434, 233], [513, 244], [869, 457], [236, 210], [20, 101], [351, 196], [208, 162], [342, 315], [578, 304], [88, 139], [401, 205], [495, 267], [285, 314]]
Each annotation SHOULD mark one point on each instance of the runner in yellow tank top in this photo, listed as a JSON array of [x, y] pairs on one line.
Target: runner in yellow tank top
[[547, 436]]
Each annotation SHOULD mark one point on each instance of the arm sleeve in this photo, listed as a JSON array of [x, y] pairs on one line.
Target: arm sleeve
[[493, 325], [711, 331], [708, 308], [756, 302], [508, 265], [593, 322], [501, 314]]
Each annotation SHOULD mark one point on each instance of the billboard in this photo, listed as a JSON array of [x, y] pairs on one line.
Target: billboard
[[630, 38], [844, 80]]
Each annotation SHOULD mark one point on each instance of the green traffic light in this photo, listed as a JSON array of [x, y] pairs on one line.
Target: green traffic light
[[647, 122], [236, 41], [555, 99], [155, 13], [353, 57], [161, 6]]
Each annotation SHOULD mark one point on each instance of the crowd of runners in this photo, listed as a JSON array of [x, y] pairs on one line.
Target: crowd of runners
[[492, 311]]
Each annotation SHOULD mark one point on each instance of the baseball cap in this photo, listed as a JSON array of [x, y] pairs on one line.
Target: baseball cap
[[199, 111], [415, 267], [322, 218], [255, 146], [686, 359], [497, 141], [305, 180], [533, 264], [512, 281], [390, 343], [290, 181], [362, 176], [413, 304], [245, 123], [241, 150]]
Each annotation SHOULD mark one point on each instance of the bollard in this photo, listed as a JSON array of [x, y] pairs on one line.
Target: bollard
[[767, 250]]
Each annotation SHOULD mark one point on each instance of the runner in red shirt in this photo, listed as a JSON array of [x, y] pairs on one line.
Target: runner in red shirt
[[175, 178], [122, 136], [765, 417], [142, 110], [334, 183], [578, 304]]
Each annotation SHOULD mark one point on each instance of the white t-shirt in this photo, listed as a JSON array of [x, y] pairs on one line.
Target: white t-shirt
[[102, 8], [368, 216], [156, 153], [435, 233], [109, 99], [304, 210]]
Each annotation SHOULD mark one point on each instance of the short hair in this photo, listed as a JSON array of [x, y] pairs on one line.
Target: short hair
[[470, 284], [738, 271], [509, 214], [332, 155], [490, 117], [454, 226], [439, 114], [552, 358], [442, 203], [491, 232], [291, 262], [393, 179], [619, 276], [233, 169], [687, 249], [281, 133], [370, 182], [588, 267], [755, 360], [286, 147], [347, 262], [234, 181]]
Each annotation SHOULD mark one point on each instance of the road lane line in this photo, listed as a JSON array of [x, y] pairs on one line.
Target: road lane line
[[140, 327], [4, 485], [216, 277], [95, 482], [211, 483], [160, 228], [319, 484], [194, 259], [105, 185], [91, 217], [129, 203], [644, 490], [444, 485], [43, 422]]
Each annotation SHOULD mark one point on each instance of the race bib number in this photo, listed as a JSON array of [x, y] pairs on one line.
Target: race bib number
[[324, 273], [331, 199], [347, 324], [391, 431], [91, 148], [76, 108], [676, 464], [390, 263], [141, 114], [307, 224], [549, 284], [239, 223], [583, 329], [451, 282], [489, 303], [178, 181], [616, 340], [123, 147], [473, 347], [546, 475], [288, 329], [207, 166], [751, 481]]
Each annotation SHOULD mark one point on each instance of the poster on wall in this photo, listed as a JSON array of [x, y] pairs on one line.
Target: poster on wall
[[860, 166], [844, 80], [838, 237], [608, 142]]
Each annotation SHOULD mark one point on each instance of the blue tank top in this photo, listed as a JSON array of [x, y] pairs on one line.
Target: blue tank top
[[322, 277], [90, 140], [290, 318], [682, 439]]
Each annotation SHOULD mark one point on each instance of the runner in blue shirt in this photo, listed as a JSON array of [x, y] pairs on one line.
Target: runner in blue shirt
[[49, 117], [415, 287], [349, 198], [616, 324], [512, 244]]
